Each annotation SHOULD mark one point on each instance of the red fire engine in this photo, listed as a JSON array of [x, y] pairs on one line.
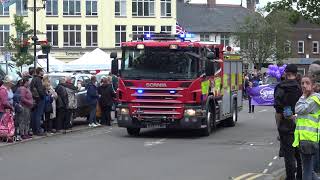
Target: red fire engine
[[168, 82]]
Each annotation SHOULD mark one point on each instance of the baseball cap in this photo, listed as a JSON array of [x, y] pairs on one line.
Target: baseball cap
[[291, 68]]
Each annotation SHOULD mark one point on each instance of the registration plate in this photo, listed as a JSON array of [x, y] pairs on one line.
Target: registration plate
[[156, 126]]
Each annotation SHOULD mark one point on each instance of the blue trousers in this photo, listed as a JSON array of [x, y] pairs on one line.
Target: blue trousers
[[93, 117], [37, 115], [316, 162], [307, 167]]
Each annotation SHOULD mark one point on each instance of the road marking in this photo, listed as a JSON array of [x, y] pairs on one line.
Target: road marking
[[243, 176], [276, 157], [255, 177], [263, 110], [270, 164], [265, 171], [153, 143]]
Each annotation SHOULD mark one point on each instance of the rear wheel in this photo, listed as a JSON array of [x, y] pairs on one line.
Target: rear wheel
[[231, 121], [133, 131]]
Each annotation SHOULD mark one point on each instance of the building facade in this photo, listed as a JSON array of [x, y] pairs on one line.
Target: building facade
[[303, 45], [211, 22], [75, 27]]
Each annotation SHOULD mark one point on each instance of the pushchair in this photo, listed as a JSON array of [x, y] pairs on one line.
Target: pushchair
[[7, 128]]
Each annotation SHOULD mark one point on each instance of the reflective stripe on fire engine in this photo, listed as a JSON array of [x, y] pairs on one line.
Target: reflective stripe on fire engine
[[217, 86], [233, 81], [205, 86]]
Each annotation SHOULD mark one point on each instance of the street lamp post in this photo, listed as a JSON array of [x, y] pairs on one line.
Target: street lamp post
[[35, 38]]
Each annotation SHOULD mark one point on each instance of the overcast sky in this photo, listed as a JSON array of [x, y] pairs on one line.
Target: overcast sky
[[262, 2]]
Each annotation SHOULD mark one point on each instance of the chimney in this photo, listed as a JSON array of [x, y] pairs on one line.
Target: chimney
[[251, 4], [211, 3]]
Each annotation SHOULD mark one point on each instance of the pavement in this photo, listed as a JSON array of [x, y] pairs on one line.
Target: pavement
[[247, 151]]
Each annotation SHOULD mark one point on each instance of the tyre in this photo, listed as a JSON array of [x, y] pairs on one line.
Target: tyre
[[133, 131], [231, 121]]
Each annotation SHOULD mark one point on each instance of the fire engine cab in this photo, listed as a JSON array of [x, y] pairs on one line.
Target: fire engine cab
[[166, 81]]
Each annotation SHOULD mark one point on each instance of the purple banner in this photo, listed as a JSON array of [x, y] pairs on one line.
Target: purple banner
[[262, 95]]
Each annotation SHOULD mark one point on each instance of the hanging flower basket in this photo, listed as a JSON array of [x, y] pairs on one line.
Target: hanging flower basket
[[46, 48]]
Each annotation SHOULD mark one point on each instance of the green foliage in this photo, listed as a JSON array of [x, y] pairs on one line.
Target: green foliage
[[19, 43], [309, 9], [264, 38]]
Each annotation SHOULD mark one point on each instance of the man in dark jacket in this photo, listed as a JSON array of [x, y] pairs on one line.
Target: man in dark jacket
[[107, 94], [64, 113], [92, 98], [38, 94], [286, 95]]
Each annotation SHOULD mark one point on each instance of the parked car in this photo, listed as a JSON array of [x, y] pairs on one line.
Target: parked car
[[80, 81]]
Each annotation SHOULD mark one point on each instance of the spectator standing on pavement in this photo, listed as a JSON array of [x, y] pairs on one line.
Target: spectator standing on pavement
[[115, 83], [50, 105], [251, 107], [92, 98], [38, 94], [314, 71], [107, 94], [23, 116], [286, 95], [5, 91], [65, 103], [306, 135]]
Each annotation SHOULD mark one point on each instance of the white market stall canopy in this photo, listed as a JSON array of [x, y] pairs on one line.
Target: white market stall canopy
[[54, 64], [95, 60]]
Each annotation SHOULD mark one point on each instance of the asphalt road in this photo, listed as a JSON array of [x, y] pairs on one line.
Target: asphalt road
[[108, 153]]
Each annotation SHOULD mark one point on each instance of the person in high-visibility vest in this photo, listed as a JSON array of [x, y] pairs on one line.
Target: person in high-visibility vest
[[306, 135]]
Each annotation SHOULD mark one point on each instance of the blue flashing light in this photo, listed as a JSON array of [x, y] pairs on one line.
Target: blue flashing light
[[140, 91], [148, 36], [182, 36], [172, 92], [189, 35]]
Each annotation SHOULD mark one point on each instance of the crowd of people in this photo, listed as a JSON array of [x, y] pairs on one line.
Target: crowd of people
[[38, 108]]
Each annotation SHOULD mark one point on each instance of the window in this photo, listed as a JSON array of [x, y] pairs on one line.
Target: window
[[301, 47], [72, 35], [315, 47], [141, 30], [225, 39], [92, 35], [52, 7], [22, 7], [120, 8], [143, 8], [4, 34], [52, 34], [287, 47], [166, 29], [205, 37], [71, 7], [165, 8], [121, 35], [4, 11], [91, 7]]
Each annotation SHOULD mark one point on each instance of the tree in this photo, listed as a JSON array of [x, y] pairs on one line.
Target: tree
[[264, 38], [20, 42], [309, 9]]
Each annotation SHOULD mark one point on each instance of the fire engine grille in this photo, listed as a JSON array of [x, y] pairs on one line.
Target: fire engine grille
[[157, 103]]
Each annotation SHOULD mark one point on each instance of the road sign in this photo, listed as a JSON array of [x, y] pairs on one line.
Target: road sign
[[7, 56], [42, 56]]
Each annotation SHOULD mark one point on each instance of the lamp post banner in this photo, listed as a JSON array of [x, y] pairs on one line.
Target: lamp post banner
[[262, 95], [7, 3]]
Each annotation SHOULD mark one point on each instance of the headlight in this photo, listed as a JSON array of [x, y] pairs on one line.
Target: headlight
[[124, 111], [189, 112]]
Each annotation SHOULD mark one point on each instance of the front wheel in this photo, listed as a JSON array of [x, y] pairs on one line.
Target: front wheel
[[209, 123], [133, 131]]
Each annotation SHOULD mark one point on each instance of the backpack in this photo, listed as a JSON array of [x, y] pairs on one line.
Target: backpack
[[72, 100]]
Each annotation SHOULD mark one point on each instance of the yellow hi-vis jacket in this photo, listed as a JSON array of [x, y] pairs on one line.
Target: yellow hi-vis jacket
[[307, 126]]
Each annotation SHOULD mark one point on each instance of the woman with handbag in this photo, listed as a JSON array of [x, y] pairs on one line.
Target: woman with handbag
[[50, 105], [306, 135], [23, 108]]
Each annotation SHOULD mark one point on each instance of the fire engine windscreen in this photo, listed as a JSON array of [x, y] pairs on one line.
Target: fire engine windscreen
[[160, 63]]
